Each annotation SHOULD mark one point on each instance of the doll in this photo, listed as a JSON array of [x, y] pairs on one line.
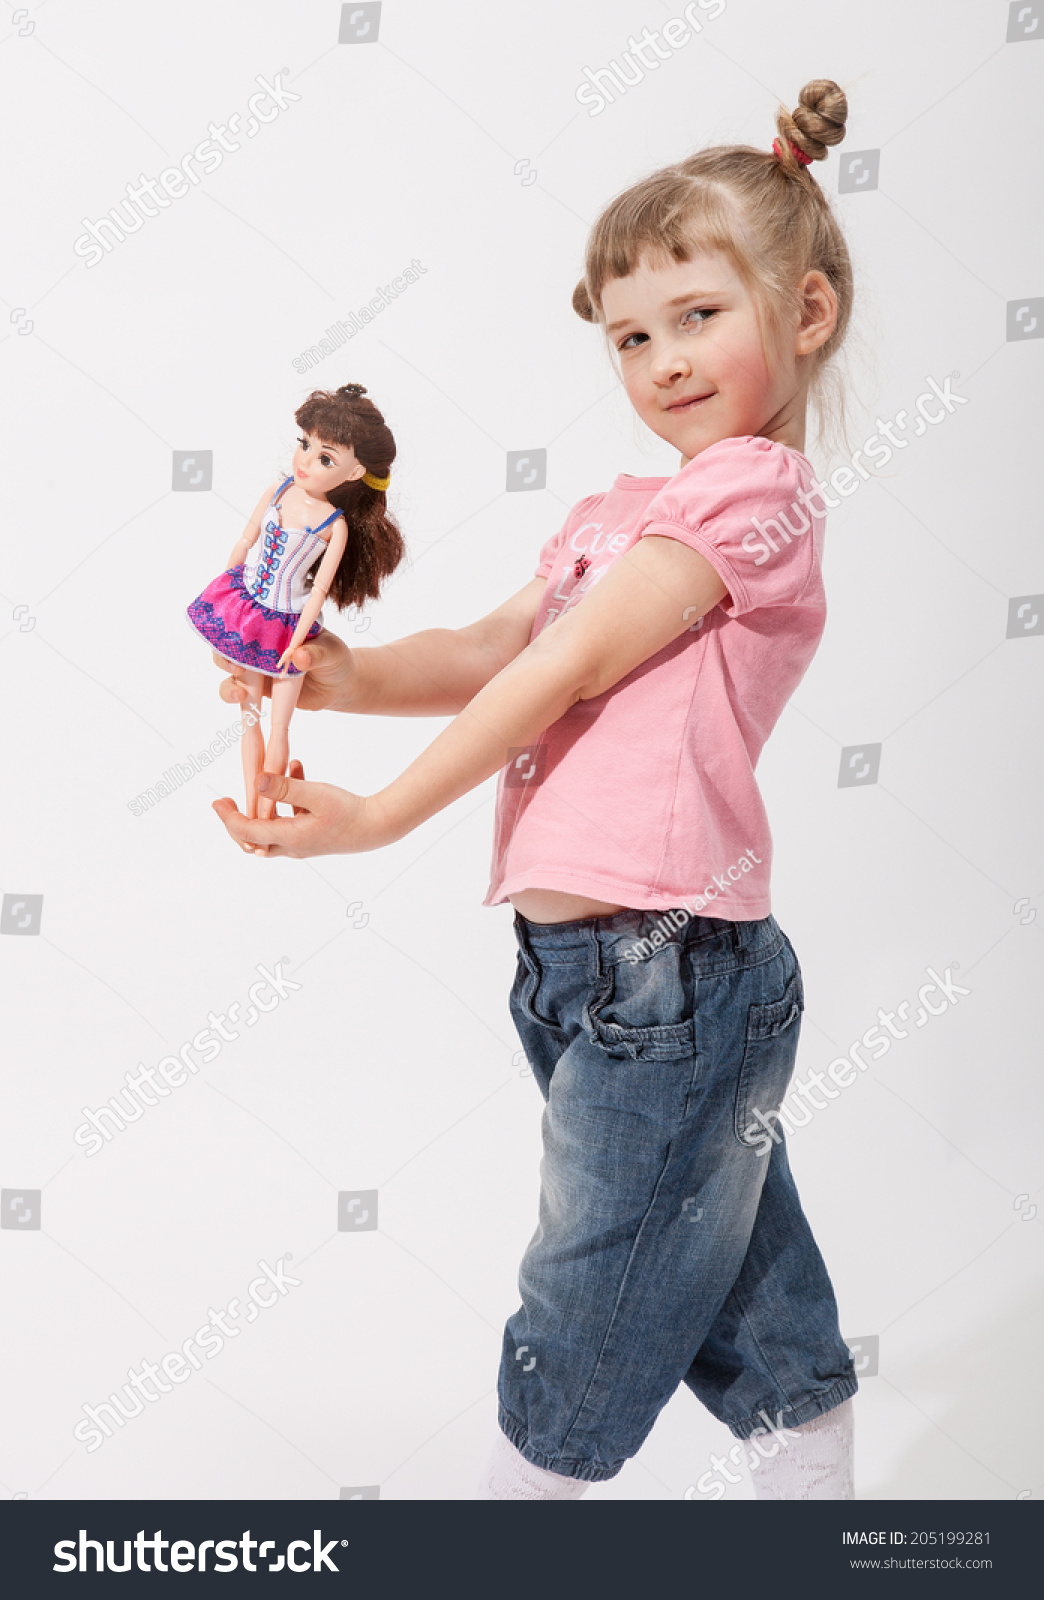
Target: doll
[[324, 531]]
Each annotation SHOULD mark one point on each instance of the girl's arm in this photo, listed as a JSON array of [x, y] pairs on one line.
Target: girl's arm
[[320, 589], [647, 599], [433, 673], [252, 529], [436, 672]]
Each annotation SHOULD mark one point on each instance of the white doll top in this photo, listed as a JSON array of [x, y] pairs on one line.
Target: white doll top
[[278, 560]]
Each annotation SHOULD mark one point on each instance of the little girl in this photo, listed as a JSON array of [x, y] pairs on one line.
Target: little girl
[[625, 694]]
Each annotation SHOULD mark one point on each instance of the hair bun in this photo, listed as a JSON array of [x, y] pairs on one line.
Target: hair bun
[[818, 120], [351, 388], [582, 302]]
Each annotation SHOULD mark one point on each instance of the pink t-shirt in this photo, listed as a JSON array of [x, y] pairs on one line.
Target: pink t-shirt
[[645, 796]]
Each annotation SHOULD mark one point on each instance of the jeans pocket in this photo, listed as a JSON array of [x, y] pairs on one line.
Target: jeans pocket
[[662, 986], [769, 1054]]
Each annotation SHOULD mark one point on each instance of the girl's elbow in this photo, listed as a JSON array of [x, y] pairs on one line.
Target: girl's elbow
[[576, 675]]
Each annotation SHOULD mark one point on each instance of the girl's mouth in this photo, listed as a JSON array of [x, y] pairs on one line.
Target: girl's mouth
[[690, 404]]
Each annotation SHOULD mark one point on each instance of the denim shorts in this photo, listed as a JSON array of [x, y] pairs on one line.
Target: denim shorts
[[671, 1245]]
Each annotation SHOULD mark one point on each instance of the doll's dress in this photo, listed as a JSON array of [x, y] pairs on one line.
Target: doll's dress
[[248, 614]]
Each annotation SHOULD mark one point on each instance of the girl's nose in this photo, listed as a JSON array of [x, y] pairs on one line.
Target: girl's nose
[[673, 361]]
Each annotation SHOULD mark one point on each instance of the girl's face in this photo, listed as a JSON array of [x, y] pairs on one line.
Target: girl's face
[[320, 467], [688, 346]]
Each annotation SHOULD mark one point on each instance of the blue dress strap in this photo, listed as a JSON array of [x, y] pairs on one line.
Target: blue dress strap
[[332, 518], [280, 491]]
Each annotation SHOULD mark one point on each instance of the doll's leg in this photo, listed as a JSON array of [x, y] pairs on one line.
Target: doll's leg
[[252, 742], [285, 692]]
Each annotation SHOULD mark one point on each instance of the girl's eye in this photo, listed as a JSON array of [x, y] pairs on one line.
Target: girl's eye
[[635, 340], [304, 444], [324, 461]]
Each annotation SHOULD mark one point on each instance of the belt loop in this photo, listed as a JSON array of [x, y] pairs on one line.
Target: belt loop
[[597, 952], [521, 935]]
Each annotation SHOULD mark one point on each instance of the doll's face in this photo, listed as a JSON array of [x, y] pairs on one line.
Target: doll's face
[[320, 467]]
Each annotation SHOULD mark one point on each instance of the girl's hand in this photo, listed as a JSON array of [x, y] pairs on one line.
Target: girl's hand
[[326, 822], [329, 673]]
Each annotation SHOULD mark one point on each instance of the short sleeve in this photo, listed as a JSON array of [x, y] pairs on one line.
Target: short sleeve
[[551, 548], [738, 504]]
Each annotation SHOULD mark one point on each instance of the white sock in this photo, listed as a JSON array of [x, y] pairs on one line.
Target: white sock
[[815, 1465], [509, 1476]]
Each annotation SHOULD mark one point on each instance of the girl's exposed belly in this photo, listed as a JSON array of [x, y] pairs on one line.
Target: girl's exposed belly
[[553, 905]]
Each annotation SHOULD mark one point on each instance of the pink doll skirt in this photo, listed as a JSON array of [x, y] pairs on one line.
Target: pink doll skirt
[[240, 628]]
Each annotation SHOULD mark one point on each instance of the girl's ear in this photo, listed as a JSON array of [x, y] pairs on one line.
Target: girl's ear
[[818, 313]]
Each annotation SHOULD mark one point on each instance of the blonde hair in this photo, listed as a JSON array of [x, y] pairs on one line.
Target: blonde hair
[[767, 212]]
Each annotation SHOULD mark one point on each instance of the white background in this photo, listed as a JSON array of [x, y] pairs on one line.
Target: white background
[[394, 1067]]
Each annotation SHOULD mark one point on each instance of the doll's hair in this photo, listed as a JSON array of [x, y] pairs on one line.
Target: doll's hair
[[375, 545], [767, 212]]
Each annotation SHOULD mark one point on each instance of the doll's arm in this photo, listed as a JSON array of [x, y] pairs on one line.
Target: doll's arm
[[252, 529], [320, 589]]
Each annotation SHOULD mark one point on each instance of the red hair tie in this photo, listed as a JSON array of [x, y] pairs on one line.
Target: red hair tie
[[802, 157]]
